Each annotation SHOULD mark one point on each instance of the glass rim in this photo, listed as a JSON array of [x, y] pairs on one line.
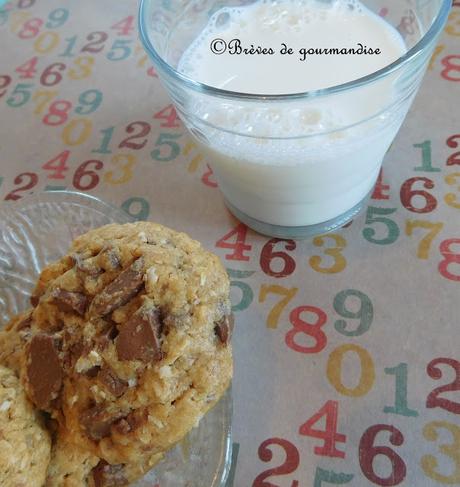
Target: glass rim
[[203, 88]]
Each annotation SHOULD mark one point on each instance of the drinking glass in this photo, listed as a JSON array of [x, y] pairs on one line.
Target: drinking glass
[[315, 179]]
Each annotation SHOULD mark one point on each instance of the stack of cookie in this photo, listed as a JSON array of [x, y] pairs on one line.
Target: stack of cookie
[[126, 348]]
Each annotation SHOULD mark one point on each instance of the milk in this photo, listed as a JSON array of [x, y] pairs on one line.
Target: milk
[[309, 160]]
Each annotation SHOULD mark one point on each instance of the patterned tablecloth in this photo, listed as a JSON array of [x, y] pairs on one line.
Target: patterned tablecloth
[[347, 346]]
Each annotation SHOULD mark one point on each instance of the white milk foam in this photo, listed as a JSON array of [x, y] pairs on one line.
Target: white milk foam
[[299, 180]]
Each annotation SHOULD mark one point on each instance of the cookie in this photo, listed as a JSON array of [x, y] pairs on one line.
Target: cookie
[[127, 347], [24, 442]]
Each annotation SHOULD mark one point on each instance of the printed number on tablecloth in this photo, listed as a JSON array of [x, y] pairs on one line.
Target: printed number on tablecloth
[[331, 477], [400, 407], [57, 165], [380, 216], [411, 198], [4, 83], [368, 451], [330, 436], [169, 115], [139, 130], [451, 71], [247, 294], [381, 190], [435, 372], [454, 143], [28, 69], [365, 312], [338, 263], [77, 131], [239, 246], [434, 229], [142, 204], [451, 259], [28, 179], [453, 199], [335, 367], [429, 463], [124, 164], [86, 177], [95, 42], [287, 296], [277, 263], [124, 27], [290, 464], [302, 330]]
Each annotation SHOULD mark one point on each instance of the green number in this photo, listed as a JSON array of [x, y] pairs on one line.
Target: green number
[[400, 407], [377, 215], [365, 312], [426, 157], [247, 294]]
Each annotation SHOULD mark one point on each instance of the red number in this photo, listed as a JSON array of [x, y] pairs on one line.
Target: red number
[[28, 69], [33, 181], [4, 84], [267, 255], [289, 465], [407, 195], [51, 75], [433, 401], [96, 42], [131, 128], [125, 27], [151, 72], [454, 159], [310, 329], [329, 435], [380, 188], [168, 114], [367, 453], [206, 178], [449, 66], [83, 171], [450, 258], [32, 26], [239, 246], [57, 165], [58, 113]]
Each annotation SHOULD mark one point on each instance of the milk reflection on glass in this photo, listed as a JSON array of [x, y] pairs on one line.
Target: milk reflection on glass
[[299, 164]]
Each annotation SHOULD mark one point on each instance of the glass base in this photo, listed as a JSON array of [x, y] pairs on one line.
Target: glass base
[[297, 232]]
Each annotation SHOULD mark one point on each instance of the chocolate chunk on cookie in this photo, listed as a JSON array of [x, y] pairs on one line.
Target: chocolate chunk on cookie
[[124, 287], [44, 370], [224, 328], [139, 337], [68, 302]]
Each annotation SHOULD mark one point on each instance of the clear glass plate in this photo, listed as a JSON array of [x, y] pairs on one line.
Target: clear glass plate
[[38, 230]]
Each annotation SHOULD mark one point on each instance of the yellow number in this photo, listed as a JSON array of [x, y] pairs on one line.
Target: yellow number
[[438, 50], [126, 168], [43, 46], [85, 64], [334, 370], [336, 252], [453, 27], [424, 247], [45, 97], [77, 131], [275, 313], [429, 463], [17, 19], [451, 198]]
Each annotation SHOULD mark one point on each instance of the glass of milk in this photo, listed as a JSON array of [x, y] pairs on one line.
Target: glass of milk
[[293, 102]]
